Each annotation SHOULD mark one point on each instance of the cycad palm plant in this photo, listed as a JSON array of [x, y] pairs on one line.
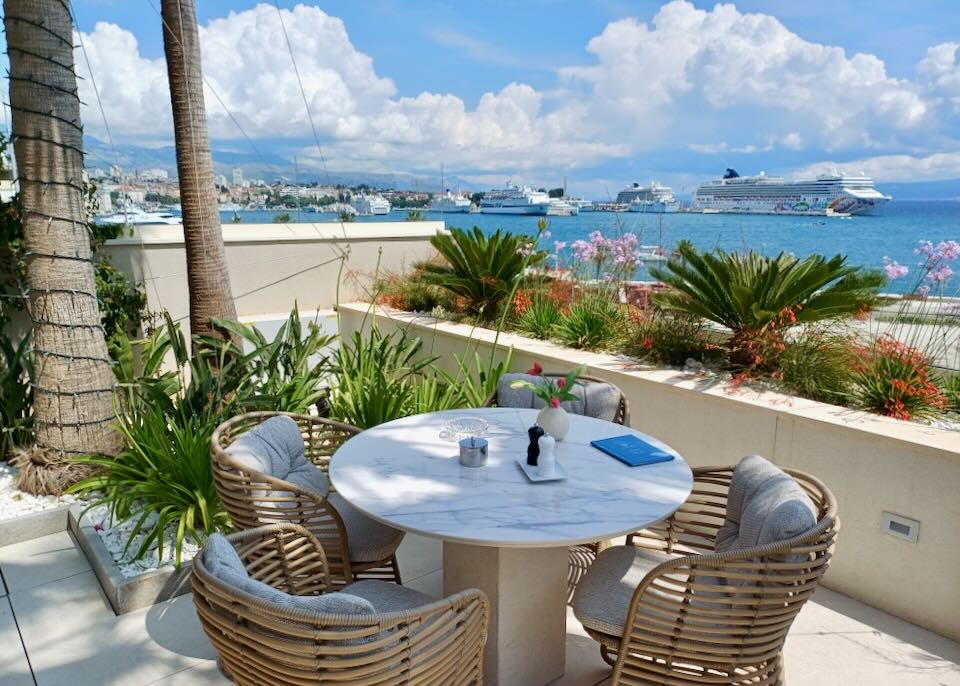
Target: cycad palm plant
[[479, 268], [752, 294]]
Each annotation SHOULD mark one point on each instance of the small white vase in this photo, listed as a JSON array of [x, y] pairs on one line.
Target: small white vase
[[554, 421]]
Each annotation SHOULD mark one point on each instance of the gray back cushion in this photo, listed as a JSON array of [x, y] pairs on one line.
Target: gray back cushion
[[764, 505], [275, 447], [222, 561], [597, 399]]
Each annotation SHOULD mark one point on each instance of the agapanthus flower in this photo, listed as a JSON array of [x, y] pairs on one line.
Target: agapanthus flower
[[893, 269]]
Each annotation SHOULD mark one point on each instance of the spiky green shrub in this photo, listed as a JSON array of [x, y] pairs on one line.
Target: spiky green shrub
[[951, 391], [480, 269], [893, 379], [540, 317], [818, 364], [750, 293], [672, 338], [591, 323]]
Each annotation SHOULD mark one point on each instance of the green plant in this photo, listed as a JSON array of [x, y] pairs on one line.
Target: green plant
[[894, 379], [950, 388], [282, 218], [16, 393], [346, 217], [474, 384], [590, 323], [672, 338], [375, 377], [539, 317], [818, 364], [750, 293], [415, 216], [481, 269], [162, 478], [413, 295], [287, 374], [162, 475], [550, 390]]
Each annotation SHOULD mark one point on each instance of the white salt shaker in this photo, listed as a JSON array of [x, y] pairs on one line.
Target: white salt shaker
[[547, 462]]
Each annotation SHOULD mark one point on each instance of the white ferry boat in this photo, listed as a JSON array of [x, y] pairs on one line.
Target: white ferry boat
[[560, 207], [449, 203], [762, 194], [581, 204], [652, 199], [137, 215], [515, 200], [370, 204]]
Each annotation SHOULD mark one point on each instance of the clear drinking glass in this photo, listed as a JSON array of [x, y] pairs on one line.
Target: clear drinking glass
[[458, 428]]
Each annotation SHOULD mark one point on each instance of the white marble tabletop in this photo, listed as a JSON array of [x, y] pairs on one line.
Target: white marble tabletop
[[403, 474]]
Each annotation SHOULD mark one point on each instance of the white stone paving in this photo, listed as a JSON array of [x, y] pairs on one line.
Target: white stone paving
[[72, 637]]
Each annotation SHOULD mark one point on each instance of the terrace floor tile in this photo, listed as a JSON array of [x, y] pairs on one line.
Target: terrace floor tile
[[40, 561]]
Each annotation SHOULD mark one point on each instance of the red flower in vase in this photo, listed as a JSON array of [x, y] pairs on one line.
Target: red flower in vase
[[535, 370], [554, 401]]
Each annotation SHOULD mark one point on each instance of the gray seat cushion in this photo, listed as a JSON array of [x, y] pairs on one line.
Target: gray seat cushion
[[602, 599], [764, 505], [597, 399], [388, 597], [275, 448], [369, 539], [222, 561]]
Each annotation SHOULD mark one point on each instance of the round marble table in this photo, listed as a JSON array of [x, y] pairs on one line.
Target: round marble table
[[502, 533]]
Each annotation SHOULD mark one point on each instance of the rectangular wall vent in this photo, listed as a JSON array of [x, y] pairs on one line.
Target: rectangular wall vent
[[901, 527]]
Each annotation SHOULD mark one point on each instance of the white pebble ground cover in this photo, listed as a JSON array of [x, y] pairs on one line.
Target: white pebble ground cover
[[15, 503], [116, 533]]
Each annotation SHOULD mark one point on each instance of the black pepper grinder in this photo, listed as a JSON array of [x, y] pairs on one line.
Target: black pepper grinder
[[533, 450]]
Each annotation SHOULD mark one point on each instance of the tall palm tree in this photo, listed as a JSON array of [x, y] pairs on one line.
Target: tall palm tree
[[207, 275], [73, 395]]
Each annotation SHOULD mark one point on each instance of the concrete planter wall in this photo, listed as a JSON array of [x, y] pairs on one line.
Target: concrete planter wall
[[872, 464]]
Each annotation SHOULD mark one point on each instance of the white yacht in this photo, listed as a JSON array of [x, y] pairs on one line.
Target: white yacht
[[137, 215], [652, 199], [560, 207], [449, 203], [581, 204], [833, 194], [515, 200], [370, 204]]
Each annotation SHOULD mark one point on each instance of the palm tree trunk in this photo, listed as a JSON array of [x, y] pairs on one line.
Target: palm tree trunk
[[73, 406], [207, 274]]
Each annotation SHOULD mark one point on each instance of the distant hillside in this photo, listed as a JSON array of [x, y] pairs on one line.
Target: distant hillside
[[270, 167], [922, 190]]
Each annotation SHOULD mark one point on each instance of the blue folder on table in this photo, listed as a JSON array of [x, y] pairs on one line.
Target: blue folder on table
[[632, 451]]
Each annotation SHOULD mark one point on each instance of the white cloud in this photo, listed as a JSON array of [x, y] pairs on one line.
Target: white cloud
[[685, 80], [945, 165]]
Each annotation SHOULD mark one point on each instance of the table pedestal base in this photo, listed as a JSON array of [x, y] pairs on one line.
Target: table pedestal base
[[527, 588]]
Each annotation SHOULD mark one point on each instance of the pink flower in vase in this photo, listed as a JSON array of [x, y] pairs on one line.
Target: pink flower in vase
[[535, 370], [561, 383], [555, 402]]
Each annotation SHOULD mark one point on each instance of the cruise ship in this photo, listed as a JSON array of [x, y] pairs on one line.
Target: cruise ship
[[652, 199], [449, 203], [515, 200], [762, 194], [370, 204]]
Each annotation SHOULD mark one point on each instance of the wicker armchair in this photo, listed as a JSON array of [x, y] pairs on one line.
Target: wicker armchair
[[621, 415], [253, 499], [700, 617], [413, 640]]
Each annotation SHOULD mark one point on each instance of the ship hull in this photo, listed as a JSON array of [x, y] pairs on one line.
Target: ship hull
[[536, 209]]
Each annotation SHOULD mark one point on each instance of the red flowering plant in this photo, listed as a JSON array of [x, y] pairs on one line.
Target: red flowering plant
[[551, 390], [894, 379]]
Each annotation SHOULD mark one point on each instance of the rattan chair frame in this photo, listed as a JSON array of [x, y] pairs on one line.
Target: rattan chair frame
[[253, 499], [621, 416], [718, 618], [258, 642]]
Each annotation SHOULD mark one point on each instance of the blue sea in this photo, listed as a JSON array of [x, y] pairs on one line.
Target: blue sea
[[864, 241]]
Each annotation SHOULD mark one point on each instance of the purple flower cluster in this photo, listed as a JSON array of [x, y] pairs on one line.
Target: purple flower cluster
[[893, 269], [934, 263], [621, 253]]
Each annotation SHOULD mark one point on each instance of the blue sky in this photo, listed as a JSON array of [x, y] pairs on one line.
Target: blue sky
[[604, 92]]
